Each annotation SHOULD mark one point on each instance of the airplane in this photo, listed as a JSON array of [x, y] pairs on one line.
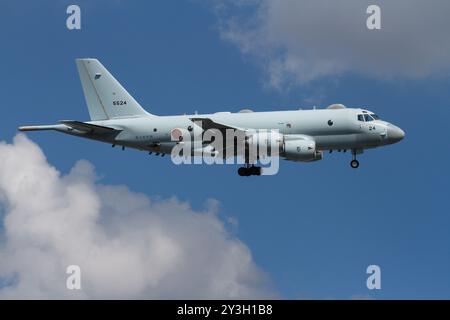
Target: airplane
[[303, 135]]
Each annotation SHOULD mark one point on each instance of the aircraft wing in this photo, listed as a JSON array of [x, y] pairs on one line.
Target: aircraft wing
[[208, 123], [89, 127]]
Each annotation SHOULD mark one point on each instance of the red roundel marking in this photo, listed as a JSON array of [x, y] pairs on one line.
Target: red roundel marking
[[176, 134]]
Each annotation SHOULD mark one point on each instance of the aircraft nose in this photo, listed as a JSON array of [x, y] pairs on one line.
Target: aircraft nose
[[395, 134]]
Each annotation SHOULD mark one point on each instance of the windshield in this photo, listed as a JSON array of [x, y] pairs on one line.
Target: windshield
[[366, 117]]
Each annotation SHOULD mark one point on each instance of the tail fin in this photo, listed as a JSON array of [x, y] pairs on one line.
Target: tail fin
[[105, 97]]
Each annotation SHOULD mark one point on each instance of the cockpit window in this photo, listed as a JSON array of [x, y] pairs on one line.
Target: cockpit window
[[375, 116], [368, 118], [361, 117]]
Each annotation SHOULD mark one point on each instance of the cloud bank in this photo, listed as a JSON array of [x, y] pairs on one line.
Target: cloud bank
[[127, 245], [298, 41]]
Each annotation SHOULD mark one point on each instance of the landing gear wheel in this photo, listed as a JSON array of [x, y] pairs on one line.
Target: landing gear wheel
[[354, 164], [255, 171], [249, 171]]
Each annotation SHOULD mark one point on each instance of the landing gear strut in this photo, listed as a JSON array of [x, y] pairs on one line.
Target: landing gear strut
[[354, 163], [249, 171]]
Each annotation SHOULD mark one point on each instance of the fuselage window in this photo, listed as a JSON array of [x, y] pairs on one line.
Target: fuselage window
[[368, 118], [360, 117], [375, 116]]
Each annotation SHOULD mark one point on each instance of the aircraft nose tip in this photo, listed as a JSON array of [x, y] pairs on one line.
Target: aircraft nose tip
[[401, 134], [395, 134]]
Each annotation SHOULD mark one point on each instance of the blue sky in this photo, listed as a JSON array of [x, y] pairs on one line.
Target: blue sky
[[314, 228]]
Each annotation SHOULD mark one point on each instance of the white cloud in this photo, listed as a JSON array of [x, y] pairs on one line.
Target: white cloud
[[127, 245], [297, 41]]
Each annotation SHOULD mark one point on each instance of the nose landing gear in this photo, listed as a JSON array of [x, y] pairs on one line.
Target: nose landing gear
[[249, 171], [354, 163]]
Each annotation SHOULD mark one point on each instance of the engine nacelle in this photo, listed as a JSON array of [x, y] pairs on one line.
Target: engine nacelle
[[265, 143], [301, 150]]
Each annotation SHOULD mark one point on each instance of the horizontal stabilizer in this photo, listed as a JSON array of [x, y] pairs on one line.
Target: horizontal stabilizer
[[89, 127], [40, 128]]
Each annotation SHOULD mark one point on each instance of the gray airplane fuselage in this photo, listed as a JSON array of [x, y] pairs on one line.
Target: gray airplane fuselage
[[301, 135], [344, 131]]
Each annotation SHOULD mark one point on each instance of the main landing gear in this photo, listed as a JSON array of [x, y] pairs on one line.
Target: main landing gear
[[249, 171]]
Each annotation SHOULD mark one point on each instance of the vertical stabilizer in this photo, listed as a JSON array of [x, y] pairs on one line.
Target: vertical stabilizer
[[105, 96]]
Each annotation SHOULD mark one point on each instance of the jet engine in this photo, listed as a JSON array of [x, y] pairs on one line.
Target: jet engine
[[265, 143], [301, 150]]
